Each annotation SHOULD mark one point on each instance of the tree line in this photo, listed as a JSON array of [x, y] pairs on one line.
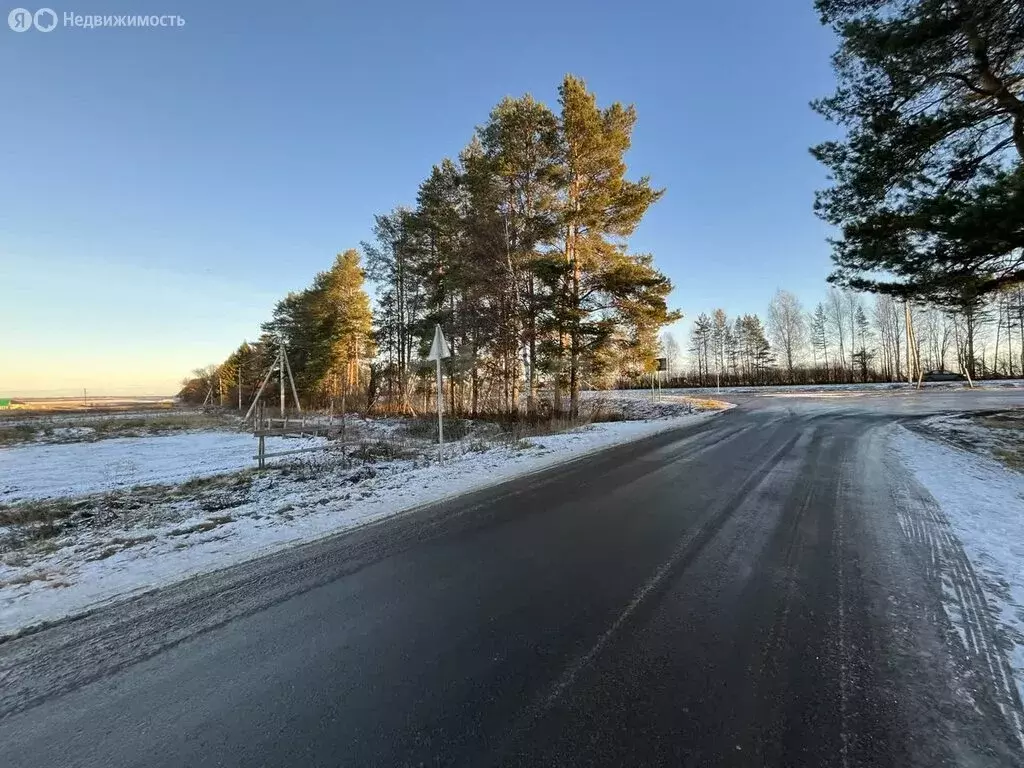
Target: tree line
[[327, 331], [518, 249], [853, 337]]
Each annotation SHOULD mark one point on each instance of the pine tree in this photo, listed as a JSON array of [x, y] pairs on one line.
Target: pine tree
[[487, 304], [390, 261], [700, 345], [598, 203], [521, 143], [819, 335], [719, 340], [862, 357], [756, 351], [327, 329], [435, 236], [347, 321], [929, 181]]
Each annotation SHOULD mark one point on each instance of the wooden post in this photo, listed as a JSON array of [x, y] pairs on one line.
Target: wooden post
[[280, 365]]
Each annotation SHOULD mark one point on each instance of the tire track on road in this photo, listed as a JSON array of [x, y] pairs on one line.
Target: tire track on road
[[963, 600], [684, 553]]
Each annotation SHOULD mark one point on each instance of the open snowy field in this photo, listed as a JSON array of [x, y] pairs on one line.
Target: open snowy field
[[180, 505], [75, 469]]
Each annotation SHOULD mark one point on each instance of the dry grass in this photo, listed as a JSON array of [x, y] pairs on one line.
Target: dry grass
[[203, 527], [62, 429], [21, 433], [120, 544], [1011, 457], [160, 424], [236, 481], [1001, 437], [25, 578], [380, 450], [1006, 420], [703, 404], [47, 511], [70, 405]]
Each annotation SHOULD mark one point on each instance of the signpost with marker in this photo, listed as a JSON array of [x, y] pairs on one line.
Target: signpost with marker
[[439, 349]]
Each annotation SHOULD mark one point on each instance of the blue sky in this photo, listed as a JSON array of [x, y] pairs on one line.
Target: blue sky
[[161, 188]]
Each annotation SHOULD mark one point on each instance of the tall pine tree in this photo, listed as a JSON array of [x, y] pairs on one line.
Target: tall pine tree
[[599, 208], [928, 188]]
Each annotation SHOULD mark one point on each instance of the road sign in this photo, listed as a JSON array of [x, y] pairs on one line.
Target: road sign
[[5, 402], [662, 363], [438, 350]]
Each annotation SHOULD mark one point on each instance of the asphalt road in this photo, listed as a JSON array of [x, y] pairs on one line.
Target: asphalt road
[[737, 592]]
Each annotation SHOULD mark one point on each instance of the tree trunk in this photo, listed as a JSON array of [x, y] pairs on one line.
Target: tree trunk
[[1020, 325], [970, 344], [531, 396], [474, 378]]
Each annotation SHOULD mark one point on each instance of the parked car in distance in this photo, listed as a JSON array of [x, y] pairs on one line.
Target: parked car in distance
[[943, 376]]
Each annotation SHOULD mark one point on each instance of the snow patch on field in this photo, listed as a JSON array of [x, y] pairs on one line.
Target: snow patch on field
[[984, 503], [74, 469], [181, 537]]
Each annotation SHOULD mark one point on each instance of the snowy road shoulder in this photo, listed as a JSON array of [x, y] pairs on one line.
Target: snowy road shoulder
[[249, 515], [983, 502]]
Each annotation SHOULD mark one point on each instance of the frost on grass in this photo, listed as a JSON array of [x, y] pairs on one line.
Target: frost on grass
[[997, 435], [86, 537]]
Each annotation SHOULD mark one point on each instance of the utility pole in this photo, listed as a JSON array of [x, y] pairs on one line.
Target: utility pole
[[280, 365]]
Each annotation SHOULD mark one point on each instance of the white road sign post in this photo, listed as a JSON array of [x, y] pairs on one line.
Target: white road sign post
[[438, 350]]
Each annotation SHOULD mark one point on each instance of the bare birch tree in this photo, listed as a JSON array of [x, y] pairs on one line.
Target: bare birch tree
[[787, 327]]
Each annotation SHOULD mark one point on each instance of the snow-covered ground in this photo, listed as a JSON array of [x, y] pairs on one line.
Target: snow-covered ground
[[824, 389], [984, 504], [74, 469], [158, 536]]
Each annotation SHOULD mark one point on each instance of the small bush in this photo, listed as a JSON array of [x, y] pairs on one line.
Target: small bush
[[425, 428], [203, 527], [381, 450], [25, 578], [47, 511], [516, 429], [20, 433]]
